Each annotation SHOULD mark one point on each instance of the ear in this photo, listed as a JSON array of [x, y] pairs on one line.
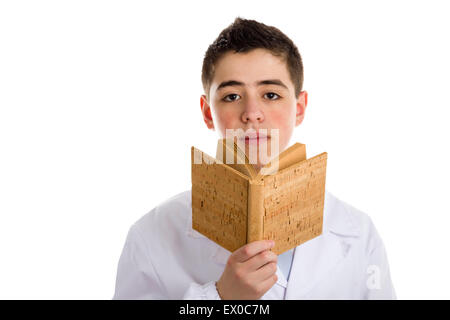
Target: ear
[[302, 101], [206, 111]]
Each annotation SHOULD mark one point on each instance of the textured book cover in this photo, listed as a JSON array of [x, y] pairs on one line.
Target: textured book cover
[[233, 205]]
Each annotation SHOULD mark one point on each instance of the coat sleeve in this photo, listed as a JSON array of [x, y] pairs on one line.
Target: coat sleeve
[[378, 277], [207, 291], [379, 283], [136, 277]]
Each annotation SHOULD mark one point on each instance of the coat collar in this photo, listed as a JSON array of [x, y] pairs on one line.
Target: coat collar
[[339, 217], [313, 259]]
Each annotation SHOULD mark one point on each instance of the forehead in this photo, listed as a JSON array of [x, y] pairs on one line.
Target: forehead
[[249, 67]]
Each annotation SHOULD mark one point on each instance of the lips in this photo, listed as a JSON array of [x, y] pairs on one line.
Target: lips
[[255, 137], [258, 138]]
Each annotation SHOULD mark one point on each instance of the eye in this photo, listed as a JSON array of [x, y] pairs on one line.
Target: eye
[[271, 95], [233, 97]]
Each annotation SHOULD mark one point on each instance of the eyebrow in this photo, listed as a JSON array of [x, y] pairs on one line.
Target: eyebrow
[[230, 83]]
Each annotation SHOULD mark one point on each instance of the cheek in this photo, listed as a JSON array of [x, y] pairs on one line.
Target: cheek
[[282, 120], [285, 122], [226, 119]]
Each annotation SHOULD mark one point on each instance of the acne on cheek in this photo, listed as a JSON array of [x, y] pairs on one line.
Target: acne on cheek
[[281, 120], [224, 123], [276, 117], [285, 122], [227, 117]]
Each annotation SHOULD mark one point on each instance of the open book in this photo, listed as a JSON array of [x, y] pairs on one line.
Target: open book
[[233, 204]]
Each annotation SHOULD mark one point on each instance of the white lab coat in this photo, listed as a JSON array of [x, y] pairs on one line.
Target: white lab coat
[[164, 258]]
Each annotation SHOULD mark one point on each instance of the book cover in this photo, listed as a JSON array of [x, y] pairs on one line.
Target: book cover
[[233, 205]]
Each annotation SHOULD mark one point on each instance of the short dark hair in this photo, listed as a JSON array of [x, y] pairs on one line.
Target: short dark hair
[[244, 35]]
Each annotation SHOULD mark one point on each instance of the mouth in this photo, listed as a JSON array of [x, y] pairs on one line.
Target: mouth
[[255, 138]]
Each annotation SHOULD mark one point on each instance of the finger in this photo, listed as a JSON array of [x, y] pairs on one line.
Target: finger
[[265, 285], [260, 260], [265, 272], [250, 249]]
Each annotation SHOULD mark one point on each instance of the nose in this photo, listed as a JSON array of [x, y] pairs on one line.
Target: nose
[[252, 112]]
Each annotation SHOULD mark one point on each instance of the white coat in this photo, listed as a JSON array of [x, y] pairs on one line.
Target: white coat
[[164, 258]]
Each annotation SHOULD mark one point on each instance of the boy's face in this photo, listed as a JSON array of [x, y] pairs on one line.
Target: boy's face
[[247, 103]]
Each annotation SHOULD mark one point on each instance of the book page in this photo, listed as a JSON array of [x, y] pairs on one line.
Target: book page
[[287, 158], [228, 152]]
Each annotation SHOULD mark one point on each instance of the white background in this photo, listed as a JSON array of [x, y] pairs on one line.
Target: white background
[[99, 106]]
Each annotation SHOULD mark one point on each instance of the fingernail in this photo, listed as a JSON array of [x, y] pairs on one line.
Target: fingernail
[[272, 243]]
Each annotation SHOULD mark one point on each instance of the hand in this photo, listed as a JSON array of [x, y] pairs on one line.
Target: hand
[[249, 272]]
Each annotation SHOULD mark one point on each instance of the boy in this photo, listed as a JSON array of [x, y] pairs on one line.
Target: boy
[[252, 76]]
